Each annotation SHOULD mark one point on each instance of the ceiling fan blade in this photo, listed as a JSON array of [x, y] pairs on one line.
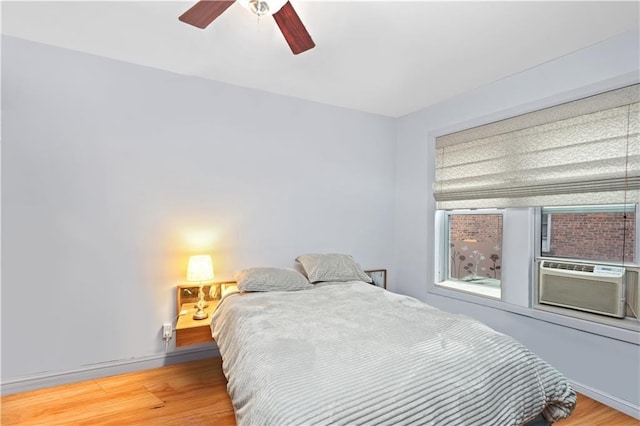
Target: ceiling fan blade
[[204, 12], [293, 29]]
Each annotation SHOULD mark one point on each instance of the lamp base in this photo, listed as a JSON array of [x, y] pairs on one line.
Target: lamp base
[[200, 314], [200, 305]]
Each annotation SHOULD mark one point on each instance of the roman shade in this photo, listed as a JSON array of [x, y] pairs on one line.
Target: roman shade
[[583, 152]]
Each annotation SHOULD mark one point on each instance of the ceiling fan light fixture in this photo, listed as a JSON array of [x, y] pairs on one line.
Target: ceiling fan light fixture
[[204, 12], [263, 7]]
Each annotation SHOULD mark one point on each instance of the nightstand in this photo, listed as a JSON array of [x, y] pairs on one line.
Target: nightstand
[[188, 330], [193, 332]]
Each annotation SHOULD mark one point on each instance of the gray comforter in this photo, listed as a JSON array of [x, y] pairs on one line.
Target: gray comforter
[[355, 354]]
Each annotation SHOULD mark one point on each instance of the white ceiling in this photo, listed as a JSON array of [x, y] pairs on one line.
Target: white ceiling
[[384, 57]]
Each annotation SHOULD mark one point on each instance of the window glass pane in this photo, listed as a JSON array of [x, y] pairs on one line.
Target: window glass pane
[[475, 248], [600, 233]]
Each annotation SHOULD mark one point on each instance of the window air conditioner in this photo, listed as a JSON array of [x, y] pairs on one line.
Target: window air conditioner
[[592, 288]]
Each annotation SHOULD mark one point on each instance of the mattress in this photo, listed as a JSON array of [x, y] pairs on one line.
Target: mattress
[[356, 354]]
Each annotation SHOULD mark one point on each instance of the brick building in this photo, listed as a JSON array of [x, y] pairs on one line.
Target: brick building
[[476, 240], [594, 236]]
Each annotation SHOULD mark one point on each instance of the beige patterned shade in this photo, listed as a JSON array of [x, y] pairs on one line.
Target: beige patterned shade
[[200, 269], [571, 154]]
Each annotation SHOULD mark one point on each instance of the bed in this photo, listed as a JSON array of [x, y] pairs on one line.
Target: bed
[[350, 353]]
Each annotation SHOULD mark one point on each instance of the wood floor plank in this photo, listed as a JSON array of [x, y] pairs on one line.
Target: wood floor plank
[[197, 411], [192, 394], [43, 403], [207, 369], [194, 418], [70, 391], [592, 413], [59, 409]]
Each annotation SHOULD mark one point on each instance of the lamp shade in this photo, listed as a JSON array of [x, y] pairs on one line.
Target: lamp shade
[[200, 268]]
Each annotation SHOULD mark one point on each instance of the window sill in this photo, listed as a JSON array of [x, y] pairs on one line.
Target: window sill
[[475, 289], [626, 330]]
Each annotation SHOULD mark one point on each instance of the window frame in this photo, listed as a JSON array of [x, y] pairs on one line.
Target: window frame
[[543, 310], [610, 208], [606, 330], [626, 329], [443, 271]]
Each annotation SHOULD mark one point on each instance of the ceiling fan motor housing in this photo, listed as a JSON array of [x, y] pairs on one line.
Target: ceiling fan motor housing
[[259, 7]]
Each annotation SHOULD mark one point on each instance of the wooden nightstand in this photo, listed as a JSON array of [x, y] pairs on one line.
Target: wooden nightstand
[[188, 330], [193, 332]]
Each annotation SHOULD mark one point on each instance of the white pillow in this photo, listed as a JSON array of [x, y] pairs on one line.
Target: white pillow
[[332, 267], [271, 279]]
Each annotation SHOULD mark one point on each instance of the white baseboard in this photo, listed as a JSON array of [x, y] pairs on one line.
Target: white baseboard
[[626, 407], [106, 369]]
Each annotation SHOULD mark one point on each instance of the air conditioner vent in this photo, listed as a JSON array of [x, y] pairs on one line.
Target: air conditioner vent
[[568, 266]]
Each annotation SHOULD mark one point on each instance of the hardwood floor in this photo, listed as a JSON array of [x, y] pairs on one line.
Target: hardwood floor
[[592, 413], [193, 393]]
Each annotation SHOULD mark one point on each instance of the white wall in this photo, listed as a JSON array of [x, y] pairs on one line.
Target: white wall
[[606, 368], [113, 174]]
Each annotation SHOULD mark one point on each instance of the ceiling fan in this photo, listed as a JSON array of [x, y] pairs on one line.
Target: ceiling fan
[[205, 11]]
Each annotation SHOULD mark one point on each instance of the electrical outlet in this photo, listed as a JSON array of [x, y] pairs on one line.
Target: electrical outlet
[[167, 330]]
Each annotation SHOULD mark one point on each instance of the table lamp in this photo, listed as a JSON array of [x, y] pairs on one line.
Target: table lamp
[[200, 272]]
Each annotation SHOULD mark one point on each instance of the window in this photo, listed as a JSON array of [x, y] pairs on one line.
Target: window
[[474, 260], [596, 233], [592, 237], [582, 153]]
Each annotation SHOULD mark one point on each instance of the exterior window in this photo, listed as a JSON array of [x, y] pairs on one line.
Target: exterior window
[[598, 233], [474, 259]]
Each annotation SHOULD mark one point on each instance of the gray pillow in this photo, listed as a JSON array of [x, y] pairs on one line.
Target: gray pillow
[[271, 279], [331, 267]]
